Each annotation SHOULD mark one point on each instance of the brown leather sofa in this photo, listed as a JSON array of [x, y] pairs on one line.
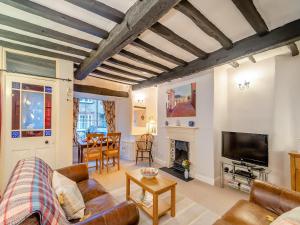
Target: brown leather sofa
[[266, 202], [99, 204]]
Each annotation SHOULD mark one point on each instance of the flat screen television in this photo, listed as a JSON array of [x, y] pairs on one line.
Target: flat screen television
[[246, 147]]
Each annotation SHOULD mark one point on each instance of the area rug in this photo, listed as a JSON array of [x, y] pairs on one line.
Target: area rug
[[188, 212]]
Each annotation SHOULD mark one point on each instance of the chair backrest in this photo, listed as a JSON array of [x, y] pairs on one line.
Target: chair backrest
[[147, 137], [145, 142], [94, 141], [113, 141]]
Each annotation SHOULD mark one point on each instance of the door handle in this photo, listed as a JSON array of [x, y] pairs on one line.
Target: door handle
[[46, 142]]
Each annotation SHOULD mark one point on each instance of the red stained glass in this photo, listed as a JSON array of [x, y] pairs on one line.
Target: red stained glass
[[15, 114], [33, 87], [48, 107], [35, 133]]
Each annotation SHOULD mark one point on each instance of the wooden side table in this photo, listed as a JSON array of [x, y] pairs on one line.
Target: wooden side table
[[155, 186], [295, 170]]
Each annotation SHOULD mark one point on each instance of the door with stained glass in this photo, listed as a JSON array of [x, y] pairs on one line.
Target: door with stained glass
[[30, 113]]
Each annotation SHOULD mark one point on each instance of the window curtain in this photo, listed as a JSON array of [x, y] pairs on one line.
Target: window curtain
[[75, 119], [110, 116]]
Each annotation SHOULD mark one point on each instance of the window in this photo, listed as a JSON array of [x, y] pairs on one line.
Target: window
[[31, 110], [91, 118]]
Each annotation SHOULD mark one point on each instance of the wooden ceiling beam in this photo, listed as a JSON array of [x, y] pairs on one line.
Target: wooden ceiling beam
[[138, 18], [112, 76], [100, 9], [169, 35], [130, 66], [293, 48], [252, 59], [249, 11], [99, 91], [142, 60], [32, 28], [203, 23], [157, 52], [50, 14], [278, 37], [115, 69], [37, 51], [42, 43]]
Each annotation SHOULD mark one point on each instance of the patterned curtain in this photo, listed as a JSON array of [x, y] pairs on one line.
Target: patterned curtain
[[110, 116], [75, 118]]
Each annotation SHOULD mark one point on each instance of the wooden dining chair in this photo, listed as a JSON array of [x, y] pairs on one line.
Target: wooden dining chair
[[113, 142], [94, 149], [144, 148]]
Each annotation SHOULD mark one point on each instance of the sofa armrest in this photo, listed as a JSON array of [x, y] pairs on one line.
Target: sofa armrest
[[125, 213], [77, 173], [275, 199]]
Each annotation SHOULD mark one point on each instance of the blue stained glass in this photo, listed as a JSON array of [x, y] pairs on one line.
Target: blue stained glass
[[47, 132], [15, 134], [32, 110], [48, 89], [15, 85]]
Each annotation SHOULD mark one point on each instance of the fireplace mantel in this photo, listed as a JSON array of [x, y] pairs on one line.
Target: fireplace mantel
[[184, 127]]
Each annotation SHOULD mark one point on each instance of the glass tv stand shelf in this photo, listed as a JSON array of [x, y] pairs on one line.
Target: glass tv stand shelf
[[240, 175]]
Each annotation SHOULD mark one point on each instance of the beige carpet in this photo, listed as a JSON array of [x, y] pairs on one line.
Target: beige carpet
[[188, 212]]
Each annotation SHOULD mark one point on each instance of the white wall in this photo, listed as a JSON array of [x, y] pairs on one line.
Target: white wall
[[203, 158]]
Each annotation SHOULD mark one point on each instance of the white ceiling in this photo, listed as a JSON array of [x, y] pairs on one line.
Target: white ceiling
[[223, 13]]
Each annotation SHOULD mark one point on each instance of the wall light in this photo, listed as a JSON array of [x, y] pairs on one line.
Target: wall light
[[244, 85], [139, 98]]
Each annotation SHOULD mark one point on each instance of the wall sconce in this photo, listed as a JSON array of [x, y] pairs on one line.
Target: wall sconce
[[244, 85], [139, 98]]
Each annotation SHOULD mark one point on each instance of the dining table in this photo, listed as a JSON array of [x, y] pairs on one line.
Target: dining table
[[82, 144]]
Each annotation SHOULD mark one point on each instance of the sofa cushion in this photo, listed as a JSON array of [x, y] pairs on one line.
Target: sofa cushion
[[72, 201], [247, 213], [90, 189], [99, 204], [291, 217]]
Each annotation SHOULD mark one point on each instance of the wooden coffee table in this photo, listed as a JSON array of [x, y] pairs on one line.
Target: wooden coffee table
[[155, 186]]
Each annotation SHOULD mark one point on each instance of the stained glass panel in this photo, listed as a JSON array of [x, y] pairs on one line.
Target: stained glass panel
[[32, 111], [48, 107], [15, 110], [33, 87], [15, 85], [15, 134], [34, 133]]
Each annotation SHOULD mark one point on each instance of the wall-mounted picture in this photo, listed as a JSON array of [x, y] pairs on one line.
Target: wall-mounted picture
[[182, 101], [139, 116]]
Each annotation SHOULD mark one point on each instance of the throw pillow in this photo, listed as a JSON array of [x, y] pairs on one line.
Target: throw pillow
[[69, 196], [291, 217]]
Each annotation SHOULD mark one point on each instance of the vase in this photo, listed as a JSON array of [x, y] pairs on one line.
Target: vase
[[186, 174]]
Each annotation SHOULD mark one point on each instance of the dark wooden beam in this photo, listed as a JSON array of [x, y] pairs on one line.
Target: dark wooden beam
[[252, 59], [249, 11], [50, 14], [130, 66], [112, 76], [249, 46], [157, 52], [42, 43], [203, 23], [177, 40], [142, 60], [39, 51], [32, 28], [294, 49], [115, 69], [234, 64], [99, 91], [100, 9], [138, 18]]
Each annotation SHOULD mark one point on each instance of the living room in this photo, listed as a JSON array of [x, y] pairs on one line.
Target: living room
[[150, 112]]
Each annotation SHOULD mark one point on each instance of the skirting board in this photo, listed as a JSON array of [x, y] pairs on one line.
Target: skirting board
[[160, 162], [205, 179]]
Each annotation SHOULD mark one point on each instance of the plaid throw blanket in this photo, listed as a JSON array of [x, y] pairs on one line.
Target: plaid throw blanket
[[29, 191]]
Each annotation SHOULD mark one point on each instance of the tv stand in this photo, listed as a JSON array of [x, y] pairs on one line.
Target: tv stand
[[240, 175]]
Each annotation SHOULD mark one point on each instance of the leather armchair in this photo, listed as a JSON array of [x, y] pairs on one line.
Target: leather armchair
[[266, 203]]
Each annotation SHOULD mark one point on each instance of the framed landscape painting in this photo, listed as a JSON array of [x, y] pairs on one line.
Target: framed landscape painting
[[182, 101]]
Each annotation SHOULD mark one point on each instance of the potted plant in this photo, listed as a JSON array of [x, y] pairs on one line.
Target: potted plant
[[186, 165]]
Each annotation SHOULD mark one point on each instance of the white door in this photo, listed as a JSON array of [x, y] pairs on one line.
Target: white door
[[29, 118]]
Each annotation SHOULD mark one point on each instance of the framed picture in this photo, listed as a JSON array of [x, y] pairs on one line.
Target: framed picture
[[182, 101], [139, 116]]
